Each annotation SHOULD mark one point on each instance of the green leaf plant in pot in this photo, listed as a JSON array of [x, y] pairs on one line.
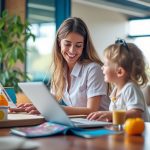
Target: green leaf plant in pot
[[13, 36]]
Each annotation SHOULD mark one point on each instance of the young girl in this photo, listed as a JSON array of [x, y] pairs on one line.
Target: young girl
[[124, 66]]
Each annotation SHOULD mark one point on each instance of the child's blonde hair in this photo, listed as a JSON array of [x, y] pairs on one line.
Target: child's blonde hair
[[129, 57]]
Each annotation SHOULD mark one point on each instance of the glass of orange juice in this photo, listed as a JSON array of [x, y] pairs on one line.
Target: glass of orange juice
[[3, 107], [119, 115]]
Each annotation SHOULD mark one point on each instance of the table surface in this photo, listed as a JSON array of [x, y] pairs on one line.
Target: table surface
[[70, 142]]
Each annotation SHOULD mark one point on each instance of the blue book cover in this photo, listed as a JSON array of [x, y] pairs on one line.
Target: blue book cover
[[49, 129]]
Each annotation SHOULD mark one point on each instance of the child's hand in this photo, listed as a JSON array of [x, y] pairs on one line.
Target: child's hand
[[100, 116]]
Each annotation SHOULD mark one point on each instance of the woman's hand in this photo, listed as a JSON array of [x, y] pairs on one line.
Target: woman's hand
[[29, 108], [100, 116]]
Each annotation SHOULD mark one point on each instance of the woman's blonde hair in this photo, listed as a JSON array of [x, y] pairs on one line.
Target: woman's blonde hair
[[129, 57], [89, 54]]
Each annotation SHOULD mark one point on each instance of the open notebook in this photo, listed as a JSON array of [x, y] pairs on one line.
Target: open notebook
[[46, 104], [49, 129]]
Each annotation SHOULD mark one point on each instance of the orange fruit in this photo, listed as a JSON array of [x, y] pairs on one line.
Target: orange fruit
[[134, 126], [3, 101]]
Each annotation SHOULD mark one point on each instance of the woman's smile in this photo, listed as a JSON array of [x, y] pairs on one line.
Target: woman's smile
[[72, 48]]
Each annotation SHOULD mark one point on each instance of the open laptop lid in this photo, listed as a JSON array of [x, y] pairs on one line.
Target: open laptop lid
[[46, 104]]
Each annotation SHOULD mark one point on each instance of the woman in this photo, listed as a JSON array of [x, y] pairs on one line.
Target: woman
[[77, 76]]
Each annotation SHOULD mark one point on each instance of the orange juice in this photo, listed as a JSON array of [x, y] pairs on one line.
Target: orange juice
[[3, 107], [119, 117], [3, 101]]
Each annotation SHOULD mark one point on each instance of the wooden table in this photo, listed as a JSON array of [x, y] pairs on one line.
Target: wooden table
[[107, 142]]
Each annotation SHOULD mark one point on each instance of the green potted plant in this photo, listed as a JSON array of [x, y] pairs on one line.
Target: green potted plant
[[13, 36]]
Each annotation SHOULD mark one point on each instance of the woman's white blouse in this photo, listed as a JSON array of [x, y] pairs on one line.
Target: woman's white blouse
[[87, 80]]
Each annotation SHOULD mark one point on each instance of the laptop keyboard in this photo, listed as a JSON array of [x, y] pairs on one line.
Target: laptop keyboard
[[86, 121]]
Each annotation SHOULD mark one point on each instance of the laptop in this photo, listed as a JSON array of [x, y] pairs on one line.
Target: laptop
[[50, 109]]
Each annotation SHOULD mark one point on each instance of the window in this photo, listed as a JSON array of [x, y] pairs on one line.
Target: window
[[41, 14], [1, 6], [139, 27], [140, 32], [45, 17], [144, 44]]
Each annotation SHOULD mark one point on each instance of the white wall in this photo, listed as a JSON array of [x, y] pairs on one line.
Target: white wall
[[105, 26]]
